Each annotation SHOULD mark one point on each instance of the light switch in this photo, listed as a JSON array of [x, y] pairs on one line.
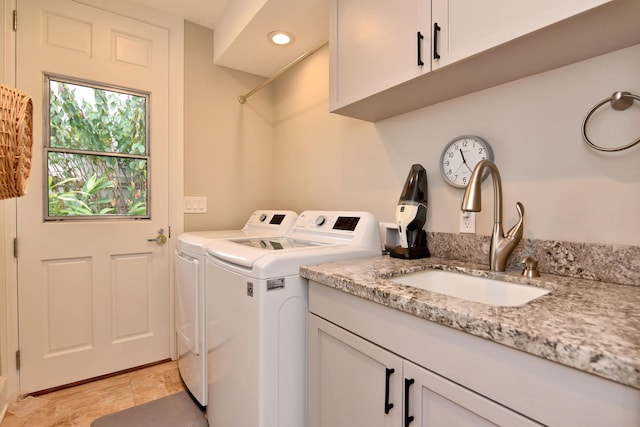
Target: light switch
[[195, 204]]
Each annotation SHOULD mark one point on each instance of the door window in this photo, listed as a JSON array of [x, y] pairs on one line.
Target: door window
[[97, 151]]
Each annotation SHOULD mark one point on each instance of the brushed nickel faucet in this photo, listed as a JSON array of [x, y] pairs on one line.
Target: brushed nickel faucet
[[501, 245]]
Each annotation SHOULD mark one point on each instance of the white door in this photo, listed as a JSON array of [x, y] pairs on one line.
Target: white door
[[93, 292]]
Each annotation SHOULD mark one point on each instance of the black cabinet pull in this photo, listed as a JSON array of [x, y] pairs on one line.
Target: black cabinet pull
[[420, 38], [407, 418], [387, 405], [436, 30]]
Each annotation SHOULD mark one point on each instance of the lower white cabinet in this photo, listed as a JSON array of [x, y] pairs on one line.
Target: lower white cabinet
[[432, 400], [355, 383], [352, 382], [373, 366]]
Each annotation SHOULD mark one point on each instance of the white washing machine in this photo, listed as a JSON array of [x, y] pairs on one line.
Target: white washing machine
[[257, 308], [190, 291]]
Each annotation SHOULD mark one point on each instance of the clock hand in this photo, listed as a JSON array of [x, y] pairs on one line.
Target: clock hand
[[459, 169], [464, 161]]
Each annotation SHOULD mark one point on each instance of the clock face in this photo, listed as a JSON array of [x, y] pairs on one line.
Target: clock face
[[460, 156]]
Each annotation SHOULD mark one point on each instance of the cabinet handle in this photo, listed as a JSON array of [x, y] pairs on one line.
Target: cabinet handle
[[420, 38], [387, 405], [436, 30], [407, 418]]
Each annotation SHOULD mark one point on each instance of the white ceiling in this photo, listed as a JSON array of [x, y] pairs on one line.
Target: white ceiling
[[202, 12], [241, 28]]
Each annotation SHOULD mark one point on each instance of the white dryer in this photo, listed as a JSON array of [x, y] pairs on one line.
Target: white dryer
[[190, 273], [257, 308]]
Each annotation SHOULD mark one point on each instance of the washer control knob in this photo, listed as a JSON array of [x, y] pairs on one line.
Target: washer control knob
[[320, 220], [263, 217]]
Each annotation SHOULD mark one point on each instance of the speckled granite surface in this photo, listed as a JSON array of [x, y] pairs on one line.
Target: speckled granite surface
[[590, 325], [602, 262]]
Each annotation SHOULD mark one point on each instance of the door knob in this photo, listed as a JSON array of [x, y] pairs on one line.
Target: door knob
[[160, 239]]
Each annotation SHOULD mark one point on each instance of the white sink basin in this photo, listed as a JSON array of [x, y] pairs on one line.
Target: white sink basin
[[472, 288]]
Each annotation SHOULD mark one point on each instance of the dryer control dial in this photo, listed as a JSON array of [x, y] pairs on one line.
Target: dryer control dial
[[263, 217], [320, 220]]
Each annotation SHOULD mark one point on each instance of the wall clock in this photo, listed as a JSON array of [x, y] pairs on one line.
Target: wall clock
[[460, 156]]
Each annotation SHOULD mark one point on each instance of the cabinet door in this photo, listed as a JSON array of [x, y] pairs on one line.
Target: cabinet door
[[374, 46], [468, 27], [434, 401], [352, 382]]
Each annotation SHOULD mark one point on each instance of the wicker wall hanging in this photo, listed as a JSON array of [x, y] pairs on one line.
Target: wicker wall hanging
[[16, 140]]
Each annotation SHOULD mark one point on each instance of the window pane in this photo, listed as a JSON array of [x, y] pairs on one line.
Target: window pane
[[92, 185], [93, 119], [96, 150]]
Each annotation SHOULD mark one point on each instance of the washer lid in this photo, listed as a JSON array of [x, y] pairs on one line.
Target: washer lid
[[245, 252], [195, 242], [276, 243], [317, 236], [273, 262], [260, 223]]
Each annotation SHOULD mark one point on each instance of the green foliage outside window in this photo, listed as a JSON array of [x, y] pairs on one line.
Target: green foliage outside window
[[97, 156]]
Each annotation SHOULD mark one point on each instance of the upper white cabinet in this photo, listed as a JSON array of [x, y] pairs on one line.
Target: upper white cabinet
[[466, 46], [375, 45], [469, 27]]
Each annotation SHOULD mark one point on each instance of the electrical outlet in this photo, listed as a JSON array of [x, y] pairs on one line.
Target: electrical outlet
[[467, 222]]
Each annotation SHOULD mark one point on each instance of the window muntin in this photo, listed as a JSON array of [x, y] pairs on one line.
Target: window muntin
[[96, 151]]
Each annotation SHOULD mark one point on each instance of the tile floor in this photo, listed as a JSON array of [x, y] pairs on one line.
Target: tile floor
[[78, 406]]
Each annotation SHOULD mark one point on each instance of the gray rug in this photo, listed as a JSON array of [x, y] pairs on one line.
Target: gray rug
[[176, 410]]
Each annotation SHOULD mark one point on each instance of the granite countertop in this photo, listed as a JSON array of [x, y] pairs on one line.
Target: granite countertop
[[588, 325]]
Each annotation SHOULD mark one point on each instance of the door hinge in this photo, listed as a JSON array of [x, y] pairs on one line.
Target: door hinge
[[15, 20], [15, 247], [17, 360]]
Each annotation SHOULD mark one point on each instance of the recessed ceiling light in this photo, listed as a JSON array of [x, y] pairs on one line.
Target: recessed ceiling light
[[281, 38]]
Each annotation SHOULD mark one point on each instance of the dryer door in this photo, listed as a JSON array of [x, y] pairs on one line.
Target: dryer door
[[187, 307]]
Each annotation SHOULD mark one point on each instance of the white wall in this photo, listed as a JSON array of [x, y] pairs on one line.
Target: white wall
[[227, 146], [570, 192]]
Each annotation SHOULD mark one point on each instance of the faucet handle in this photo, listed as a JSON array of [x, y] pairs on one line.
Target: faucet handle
[[515, 233], [530, 267]]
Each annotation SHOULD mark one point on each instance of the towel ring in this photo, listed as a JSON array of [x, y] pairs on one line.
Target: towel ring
[[619, 101]]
